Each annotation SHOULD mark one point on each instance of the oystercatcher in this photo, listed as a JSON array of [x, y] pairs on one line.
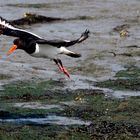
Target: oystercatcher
[[39, 47]]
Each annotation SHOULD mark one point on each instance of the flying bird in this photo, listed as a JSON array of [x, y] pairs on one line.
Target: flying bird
[[37, 46]]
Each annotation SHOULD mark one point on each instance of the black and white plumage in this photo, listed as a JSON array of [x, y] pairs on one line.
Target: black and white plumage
[[37, 46]]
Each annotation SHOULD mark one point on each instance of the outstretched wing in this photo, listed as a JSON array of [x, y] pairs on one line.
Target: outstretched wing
[[9, 30], [65, 43]]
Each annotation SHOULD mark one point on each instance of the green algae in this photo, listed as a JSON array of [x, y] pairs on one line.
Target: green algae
[[5, 76], [29, 90], [121, 84], [128, 79], [88, 104], [52, 132], [131, 72], [110, 118]]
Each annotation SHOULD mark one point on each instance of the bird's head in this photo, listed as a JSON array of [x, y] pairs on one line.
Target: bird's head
[[17, 44]]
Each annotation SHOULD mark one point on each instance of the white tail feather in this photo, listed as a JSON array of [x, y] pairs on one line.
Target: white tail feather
[[63, 50]]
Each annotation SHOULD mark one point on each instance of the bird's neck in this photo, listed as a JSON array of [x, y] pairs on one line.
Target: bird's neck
[[34, 48]]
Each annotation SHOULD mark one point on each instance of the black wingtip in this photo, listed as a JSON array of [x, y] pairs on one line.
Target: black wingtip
[[84, 36]]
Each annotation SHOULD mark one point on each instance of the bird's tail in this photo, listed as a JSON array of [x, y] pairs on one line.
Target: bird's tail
[[65, 51]]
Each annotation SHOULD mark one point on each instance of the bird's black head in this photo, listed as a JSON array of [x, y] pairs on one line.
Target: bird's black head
[[26, 45], [19, 43]]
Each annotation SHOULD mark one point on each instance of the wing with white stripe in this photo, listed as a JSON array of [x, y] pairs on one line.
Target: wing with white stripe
[[9, 30], [66, 43]]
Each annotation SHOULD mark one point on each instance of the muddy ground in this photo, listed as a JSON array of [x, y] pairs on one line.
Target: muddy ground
[[101, 99]]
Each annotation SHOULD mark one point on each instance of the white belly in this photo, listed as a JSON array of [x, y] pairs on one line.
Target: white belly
[[46, 51]]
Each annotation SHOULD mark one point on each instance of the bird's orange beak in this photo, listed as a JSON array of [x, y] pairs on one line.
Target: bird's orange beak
[[12, 49]]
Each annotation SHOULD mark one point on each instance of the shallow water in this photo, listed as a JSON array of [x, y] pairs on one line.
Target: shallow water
[[52, 119], [125, 94], [36, 105]]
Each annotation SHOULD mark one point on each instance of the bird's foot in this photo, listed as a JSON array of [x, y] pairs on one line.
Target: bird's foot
[[61, 67], [65, 71]]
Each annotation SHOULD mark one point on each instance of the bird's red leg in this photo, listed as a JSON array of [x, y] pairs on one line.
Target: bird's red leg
[[57, 63], [61, 67], [64, 70]]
